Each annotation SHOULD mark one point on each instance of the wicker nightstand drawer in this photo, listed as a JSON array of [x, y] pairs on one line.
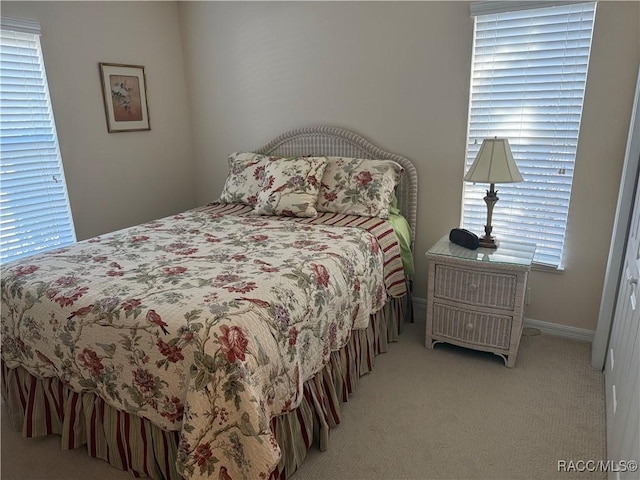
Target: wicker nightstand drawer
[[473, 327], [475, 288]]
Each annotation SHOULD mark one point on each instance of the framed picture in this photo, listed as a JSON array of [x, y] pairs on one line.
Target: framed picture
[[124, 89]]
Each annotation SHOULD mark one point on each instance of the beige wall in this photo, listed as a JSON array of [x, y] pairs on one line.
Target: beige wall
[[398, 73], [116, 179]]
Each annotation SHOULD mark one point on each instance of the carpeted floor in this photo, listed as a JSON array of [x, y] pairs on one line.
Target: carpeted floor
[[449, 413]]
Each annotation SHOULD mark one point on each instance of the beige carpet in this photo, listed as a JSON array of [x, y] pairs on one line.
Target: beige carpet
[[449, 413]]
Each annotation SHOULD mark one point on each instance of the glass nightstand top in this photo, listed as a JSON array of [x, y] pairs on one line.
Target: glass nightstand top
[[515, 253]]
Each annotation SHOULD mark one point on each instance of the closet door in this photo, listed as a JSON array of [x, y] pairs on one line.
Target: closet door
[[622, 369], [621, 225]]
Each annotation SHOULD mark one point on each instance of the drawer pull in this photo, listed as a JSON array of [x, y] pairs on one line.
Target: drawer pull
[[468, 327], [473, 287]]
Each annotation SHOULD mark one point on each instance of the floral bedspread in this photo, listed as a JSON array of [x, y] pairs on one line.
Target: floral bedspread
[[204, 323]]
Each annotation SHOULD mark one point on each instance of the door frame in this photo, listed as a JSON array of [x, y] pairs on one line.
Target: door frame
[[626, 196]]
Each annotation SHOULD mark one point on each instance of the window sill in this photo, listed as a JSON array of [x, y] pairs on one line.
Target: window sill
[[541, 267]]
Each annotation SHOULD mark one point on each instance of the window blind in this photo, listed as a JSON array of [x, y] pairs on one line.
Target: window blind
[[529, 70], [34, 208]]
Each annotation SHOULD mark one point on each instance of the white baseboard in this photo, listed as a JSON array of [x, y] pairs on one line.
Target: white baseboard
[[558, 330], [575, 333]]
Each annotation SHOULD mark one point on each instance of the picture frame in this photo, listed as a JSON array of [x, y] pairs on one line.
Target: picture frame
[[124, 91]]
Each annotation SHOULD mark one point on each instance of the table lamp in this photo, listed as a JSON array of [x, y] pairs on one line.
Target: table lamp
[[493, 164]]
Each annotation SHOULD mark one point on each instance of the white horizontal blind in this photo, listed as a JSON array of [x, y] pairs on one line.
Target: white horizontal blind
[[34, 208], [528, 78]]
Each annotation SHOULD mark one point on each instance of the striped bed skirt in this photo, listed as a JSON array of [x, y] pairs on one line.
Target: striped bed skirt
[[44, 406]]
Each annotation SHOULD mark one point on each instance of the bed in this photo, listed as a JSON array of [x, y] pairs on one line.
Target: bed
[[220, 342]]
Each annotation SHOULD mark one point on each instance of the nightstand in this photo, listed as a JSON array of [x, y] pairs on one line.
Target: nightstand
[[475, 298]]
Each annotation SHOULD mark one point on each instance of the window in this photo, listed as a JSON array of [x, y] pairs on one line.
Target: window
[[528, 77], [34, 208]]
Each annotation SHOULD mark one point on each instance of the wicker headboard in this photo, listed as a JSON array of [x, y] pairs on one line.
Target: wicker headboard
[[321, 141]]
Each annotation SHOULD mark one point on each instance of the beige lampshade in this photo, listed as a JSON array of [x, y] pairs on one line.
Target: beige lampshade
[[494, 163]]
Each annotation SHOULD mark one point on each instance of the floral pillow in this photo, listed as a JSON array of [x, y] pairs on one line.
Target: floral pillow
[[291, 187], [359, 187], [246, 174]]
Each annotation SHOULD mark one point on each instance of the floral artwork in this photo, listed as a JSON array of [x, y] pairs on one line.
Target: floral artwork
[[125, 97], [204, 323]]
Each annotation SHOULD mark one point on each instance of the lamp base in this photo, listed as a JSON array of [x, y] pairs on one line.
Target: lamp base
[[487, 241]]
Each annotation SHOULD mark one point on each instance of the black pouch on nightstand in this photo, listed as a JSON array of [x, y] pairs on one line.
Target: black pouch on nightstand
[[464, 238]]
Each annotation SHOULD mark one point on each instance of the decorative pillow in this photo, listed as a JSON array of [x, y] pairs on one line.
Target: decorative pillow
[[291, 187], [246, 173], [357, 186]]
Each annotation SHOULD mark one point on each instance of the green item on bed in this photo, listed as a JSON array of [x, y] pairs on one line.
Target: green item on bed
[[403, 232]]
